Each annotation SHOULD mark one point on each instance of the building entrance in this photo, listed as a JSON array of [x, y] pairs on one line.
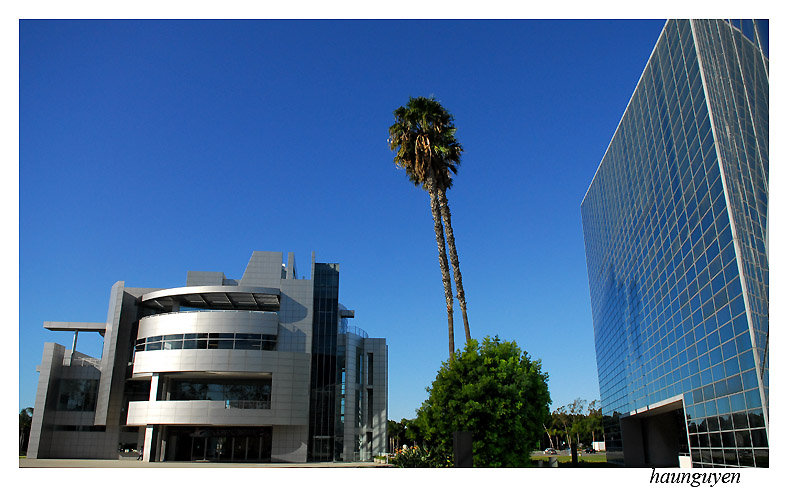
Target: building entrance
[[222, 444], [657, 437]]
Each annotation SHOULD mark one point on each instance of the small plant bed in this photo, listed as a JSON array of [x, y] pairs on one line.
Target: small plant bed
[[418, 457]]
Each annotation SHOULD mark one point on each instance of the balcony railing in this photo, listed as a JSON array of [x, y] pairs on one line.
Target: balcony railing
[[186, 310], [249, 404], [95, 362], [343, 329]]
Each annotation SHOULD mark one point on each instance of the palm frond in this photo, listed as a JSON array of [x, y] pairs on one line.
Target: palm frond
[[423, 139]]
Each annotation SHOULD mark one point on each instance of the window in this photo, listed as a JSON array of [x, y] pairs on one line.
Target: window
[[77, 395], [218, 340], [369, 407], [235, 393], [79, 428], [358, 408], [359, 366]]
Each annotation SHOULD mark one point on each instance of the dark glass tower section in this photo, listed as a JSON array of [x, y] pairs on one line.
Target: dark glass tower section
[[676, 236], [325, 378]]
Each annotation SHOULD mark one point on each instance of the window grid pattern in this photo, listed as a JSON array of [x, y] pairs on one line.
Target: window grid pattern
[[207, 340], [666, 291], [743, 109]]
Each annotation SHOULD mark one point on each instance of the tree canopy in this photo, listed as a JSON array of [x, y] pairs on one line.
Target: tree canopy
[[423, 139], [495, 391]]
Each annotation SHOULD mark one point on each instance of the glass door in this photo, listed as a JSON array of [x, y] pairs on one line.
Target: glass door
[[239, 448], [198, 448]]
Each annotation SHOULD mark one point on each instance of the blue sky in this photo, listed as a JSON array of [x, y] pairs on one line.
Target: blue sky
[[150, 148]]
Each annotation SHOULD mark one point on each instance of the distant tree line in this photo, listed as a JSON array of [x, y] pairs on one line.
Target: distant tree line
[[578, 422]]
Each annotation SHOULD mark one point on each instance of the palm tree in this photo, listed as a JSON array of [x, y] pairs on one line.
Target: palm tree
[[445, 162], [423, 138], [453, 253]]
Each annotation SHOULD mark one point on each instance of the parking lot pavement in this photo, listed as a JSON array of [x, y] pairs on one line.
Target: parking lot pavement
[[107, 463]]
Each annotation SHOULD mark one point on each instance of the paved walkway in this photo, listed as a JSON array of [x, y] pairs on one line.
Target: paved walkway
[[107, 463]]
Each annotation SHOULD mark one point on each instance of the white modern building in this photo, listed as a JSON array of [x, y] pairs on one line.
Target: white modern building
[[265, 368]]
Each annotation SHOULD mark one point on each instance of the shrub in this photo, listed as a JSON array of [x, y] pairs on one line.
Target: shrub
[[418, 457], [495, 391]]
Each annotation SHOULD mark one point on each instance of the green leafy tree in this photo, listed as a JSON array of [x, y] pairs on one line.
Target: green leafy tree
[[495, 391], [552, 433], [423, 138], [577, 418], [572, 421], [414, 433], [25, 421], [397, 433], [564, 423], [594, 420]]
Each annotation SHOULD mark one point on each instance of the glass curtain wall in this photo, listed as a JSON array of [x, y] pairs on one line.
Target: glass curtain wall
[[325, 443], [229, 444], [675, 301]]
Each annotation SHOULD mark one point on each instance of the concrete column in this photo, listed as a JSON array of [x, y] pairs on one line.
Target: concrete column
[[150, 437], [148, 444], [632, 442], [154, 387], [161, 444], [73, 347]]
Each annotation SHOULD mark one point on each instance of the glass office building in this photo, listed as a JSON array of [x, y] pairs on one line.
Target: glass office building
[[676, 235]]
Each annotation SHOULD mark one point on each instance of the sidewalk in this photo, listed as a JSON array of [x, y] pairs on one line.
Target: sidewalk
[[108, 463]]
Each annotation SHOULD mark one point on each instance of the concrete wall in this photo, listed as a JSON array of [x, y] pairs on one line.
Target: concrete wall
[[662, 440], [209, 321], [264, 269], [651, 440], [377, 425], [290, 374], [295, 315], [111, 342], [289, 443], [45, 441], [380, 389], [44, 406]]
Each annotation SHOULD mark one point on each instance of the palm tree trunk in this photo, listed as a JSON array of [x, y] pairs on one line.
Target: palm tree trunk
[[453, 256], [442, 261]]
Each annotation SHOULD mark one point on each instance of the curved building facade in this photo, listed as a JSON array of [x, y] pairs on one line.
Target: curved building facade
[[265, 368]]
